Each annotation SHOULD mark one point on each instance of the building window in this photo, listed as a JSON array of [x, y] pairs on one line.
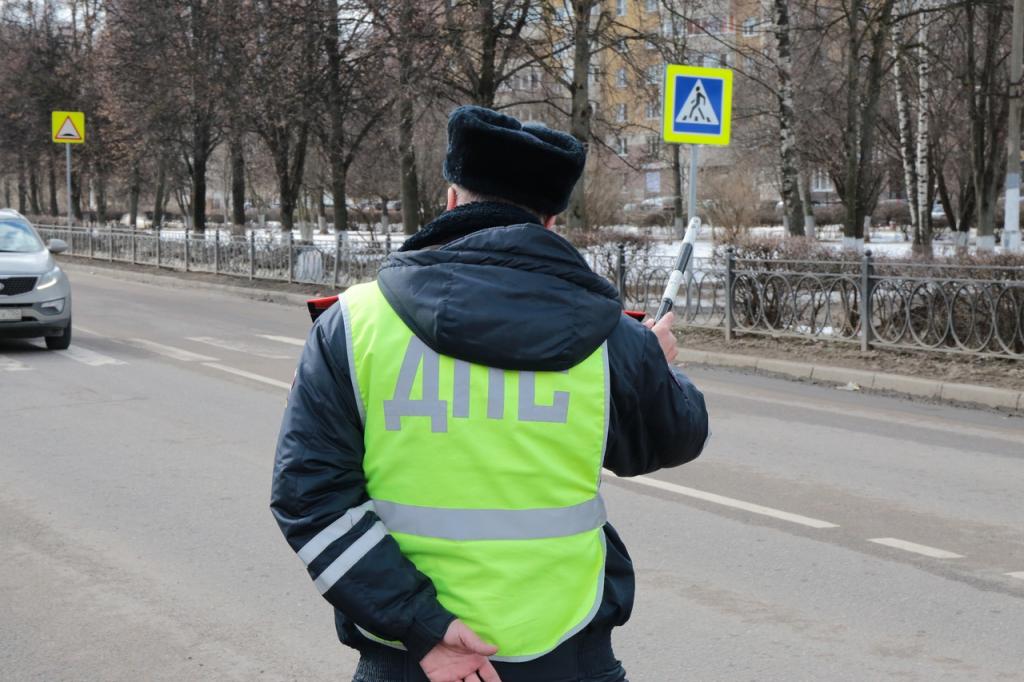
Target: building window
[[534, 80], [620, 79], [652, 110], [709, 60], [651, 5], [654, 74], [621, 146], [653, 145], [749, 27], [652, 182], [620, 7], [713, 26], [820, 182], [620, 113]]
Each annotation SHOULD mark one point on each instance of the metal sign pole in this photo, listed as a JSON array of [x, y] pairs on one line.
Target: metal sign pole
[[67, 148], [691, 209], [1011, 221]]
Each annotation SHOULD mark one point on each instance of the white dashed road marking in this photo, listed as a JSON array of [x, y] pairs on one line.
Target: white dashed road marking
[[8, 364], [89, 357], [729, 502], [249, 375], [290, 340], [924, 550], [238, 347], [171, 351], [1017, 574]]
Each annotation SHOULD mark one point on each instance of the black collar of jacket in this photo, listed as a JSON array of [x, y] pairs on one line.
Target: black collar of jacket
[[467, 219]]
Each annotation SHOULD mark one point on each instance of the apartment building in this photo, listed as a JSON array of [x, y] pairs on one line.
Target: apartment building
[[638, 38]]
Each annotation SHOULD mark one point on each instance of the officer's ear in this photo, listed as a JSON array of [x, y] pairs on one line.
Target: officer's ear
[[549, 221], [453, 198]]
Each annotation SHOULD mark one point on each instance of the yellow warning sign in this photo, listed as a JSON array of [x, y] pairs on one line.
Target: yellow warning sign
[[68, 127]]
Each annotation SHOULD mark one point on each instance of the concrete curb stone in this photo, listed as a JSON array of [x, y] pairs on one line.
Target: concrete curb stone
[[787, 367], [985, 396], [900, 383]]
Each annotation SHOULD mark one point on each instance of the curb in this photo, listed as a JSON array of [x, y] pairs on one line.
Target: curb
[[985, 396], [171, 281]]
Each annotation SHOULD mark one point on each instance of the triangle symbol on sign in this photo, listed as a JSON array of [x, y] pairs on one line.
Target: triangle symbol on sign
[[697, 107], [68, 131]]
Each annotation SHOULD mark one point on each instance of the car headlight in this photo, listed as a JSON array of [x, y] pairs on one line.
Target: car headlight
[[56, 305], [49, 279]]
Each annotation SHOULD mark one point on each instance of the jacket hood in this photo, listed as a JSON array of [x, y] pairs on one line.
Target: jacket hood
[[513, 296]]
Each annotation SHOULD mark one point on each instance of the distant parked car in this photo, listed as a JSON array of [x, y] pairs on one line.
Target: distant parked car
[[143, 220], [35, 295]]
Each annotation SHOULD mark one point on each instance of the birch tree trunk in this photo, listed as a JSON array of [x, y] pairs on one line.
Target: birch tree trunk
[[810, 223], [580, 125], [923, 235], [904, 125], [793, 215], [406, 148]]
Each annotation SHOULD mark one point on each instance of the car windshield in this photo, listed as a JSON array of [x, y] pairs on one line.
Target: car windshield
[[17, 236]]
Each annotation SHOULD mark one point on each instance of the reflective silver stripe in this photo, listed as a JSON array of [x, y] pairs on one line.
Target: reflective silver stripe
[[356, 551], [492, 524], [380, 640], [346, 316], [607, 408], [321, 540]]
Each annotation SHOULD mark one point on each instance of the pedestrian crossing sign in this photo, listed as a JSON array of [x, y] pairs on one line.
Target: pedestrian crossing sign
[[697, 105], [68, 127]]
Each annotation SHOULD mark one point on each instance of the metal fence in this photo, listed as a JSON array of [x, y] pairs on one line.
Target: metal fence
[[915, 306], [337, 260], [912, 306]]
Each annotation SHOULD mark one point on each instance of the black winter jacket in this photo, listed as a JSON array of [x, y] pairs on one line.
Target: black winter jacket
[[482, 283]]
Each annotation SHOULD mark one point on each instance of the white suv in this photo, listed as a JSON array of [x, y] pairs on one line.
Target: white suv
[[35, 295]]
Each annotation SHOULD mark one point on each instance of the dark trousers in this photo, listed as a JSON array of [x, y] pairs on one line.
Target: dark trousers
[[587, 657]]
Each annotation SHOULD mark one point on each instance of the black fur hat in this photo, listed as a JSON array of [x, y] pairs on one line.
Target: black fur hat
[[495, 155]]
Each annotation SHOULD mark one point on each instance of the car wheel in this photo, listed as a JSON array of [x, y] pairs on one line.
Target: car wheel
[[60, 342]]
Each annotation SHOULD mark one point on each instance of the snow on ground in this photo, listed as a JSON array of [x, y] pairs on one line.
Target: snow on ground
[[886, 243]]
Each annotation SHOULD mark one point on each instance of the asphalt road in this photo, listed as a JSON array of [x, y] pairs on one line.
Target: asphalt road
[[823, 535]]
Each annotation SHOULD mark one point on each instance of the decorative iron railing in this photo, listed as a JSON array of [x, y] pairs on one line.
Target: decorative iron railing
[[915, 306]]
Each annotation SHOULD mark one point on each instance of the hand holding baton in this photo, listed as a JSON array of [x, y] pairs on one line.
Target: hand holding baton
[[675, 279]]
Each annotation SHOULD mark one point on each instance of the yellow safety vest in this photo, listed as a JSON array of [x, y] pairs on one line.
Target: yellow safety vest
[[488, 479]]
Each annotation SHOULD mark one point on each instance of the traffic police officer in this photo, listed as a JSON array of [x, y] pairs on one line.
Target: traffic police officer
[[438, 467]]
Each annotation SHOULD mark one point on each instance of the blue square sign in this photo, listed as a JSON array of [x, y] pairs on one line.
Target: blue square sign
[[697, 106]]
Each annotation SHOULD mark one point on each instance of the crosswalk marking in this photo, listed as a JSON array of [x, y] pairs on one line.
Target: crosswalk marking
[[249, 375], [89, 357], [171, 351], [9, 364], [238, 347], [290, 340]]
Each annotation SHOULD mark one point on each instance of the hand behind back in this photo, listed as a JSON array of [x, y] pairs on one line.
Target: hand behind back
[[460, 657]]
